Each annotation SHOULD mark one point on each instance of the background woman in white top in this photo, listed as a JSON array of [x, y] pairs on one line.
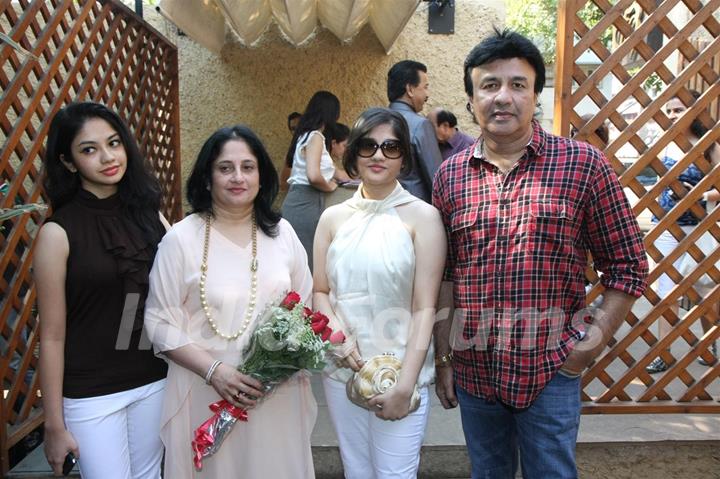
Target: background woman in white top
[[379, 259], [312, 172]]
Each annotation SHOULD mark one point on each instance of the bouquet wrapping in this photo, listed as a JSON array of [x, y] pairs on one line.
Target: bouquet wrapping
[[288, 338]]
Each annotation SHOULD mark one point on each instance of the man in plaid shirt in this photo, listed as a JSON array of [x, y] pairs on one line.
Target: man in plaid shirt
[[522, 208]]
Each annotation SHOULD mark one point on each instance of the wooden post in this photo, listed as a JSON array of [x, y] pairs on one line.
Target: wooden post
[[565, 59]]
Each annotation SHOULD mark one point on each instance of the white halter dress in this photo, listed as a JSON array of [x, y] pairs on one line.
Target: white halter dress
[[371, 270]]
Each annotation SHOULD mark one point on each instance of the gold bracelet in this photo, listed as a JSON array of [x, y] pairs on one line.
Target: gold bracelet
[[444, 360]]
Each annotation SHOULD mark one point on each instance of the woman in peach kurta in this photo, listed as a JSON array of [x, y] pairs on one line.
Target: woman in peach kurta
[[275, 441]]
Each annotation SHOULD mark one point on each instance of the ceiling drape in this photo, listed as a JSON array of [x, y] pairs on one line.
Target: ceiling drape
[[206, 21]]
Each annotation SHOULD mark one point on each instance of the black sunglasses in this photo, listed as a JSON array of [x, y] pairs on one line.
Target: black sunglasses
[[392, 149]]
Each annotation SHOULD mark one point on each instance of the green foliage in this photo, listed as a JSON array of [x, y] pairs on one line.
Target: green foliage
[[18, 209], [283, 344], [653, 84], [537, 20]]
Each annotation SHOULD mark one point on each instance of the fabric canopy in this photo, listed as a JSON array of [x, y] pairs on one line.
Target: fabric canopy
[[205, 20]]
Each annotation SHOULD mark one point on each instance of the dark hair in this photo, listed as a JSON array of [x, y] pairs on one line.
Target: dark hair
[[601, 131], [322, 111], [444, 116], [696, 127], [198, 193], [401, 74], [138, 189], [338, 132], [504, 45], [291, 117], [366, 122]]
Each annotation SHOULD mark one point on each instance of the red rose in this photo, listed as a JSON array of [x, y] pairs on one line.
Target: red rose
[[290, 300], [308, 312], [318, 322], [338, 337], [325, 334], [318, 317]]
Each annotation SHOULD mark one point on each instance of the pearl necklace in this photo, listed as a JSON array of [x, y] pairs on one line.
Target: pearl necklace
[[253, 283]]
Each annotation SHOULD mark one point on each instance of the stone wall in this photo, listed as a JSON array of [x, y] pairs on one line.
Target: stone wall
[[260, 86]]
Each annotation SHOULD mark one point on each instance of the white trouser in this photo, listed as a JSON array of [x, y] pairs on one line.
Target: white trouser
[[370, 447], [666, 243], [118, 434]]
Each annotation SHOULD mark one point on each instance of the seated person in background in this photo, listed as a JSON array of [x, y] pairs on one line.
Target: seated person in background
[[450, 139], [336, 141]]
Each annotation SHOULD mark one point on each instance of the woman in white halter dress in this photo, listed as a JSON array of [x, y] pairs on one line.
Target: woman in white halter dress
[[379, 258]]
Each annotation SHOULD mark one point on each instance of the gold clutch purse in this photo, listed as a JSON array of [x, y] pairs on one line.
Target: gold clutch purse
[[378, 375]]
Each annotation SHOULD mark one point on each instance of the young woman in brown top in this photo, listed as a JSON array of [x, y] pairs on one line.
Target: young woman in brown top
[[102, 385]]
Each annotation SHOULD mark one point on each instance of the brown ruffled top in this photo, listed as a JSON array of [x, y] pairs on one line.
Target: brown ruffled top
[[133, 253], [105, 290]]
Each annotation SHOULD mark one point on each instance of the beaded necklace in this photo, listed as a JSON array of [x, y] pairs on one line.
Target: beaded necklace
[[253, 282]]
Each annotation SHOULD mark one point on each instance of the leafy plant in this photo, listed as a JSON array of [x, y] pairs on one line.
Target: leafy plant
[[17, 210], [537, 20]]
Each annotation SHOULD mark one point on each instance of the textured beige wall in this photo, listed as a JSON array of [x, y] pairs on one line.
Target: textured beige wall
[[260, 86]]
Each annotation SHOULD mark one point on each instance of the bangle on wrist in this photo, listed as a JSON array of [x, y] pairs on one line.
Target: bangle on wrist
[[211, 371], [444, 360]]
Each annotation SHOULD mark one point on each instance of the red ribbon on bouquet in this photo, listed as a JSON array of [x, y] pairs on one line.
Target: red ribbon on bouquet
[[204, 436]]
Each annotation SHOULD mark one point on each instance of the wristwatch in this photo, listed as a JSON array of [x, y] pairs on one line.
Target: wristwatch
[[444, 360]]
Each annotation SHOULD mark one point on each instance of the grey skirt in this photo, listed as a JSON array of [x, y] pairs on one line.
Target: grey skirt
[[302, 208]]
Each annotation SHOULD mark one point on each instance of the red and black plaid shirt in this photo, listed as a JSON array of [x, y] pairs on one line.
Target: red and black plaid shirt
[[517, 254]]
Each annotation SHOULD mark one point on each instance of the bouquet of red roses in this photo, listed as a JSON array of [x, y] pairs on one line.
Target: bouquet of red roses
[[290, 337]]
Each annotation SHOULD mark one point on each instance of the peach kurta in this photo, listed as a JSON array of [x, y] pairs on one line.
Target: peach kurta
[[275, 442]]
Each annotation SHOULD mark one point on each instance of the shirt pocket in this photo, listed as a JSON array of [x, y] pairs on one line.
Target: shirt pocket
[[552, 226], [465, 234]]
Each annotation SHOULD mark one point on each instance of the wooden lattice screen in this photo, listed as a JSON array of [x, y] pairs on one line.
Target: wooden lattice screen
[[698, 83], [686, 58], [58, 52]]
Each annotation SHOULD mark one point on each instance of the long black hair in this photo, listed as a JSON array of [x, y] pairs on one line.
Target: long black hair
[[198, 194], [322, 111], [138, 189]]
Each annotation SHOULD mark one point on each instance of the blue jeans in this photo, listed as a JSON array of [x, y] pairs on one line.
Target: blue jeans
[[545, 433]]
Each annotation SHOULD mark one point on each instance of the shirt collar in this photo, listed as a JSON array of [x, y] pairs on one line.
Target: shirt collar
[[401, 105], [535, 147]]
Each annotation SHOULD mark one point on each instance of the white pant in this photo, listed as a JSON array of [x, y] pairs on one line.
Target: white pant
[[370, 447], [118, 434], [666, 244]]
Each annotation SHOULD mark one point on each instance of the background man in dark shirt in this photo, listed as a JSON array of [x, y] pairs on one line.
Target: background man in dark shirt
[[450, 139], [407, 90]]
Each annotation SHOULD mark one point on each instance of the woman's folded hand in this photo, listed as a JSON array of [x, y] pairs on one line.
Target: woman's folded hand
[[236, 388]]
